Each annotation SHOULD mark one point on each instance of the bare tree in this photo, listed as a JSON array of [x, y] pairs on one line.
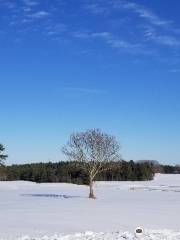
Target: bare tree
[[95, 150], [2, 156]]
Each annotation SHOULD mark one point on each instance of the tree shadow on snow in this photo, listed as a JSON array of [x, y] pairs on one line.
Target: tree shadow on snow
[[50, 195]]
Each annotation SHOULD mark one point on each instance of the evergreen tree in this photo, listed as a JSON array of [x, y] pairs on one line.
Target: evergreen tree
[[2, 155]]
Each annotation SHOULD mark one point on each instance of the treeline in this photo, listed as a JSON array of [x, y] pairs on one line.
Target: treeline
[[168, 169], [165, 169], [72, 172]]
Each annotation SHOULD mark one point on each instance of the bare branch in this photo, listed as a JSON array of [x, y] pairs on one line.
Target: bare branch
[[93, 149]]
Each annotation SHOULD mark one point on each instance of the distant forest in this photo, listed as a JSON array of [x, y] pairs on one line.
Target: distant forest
[[71, 172]]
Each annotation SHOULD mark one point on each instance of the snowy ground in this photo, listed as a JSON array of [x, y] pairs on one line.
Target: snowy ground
[[36, 210]]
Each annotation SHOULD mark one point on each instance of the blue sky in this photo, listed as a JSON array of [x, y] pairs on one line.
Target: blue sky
[[67, 66]]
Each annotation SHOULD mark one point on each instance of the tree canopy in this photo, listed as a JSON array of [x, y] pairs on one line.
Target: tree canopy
[[94, 149]]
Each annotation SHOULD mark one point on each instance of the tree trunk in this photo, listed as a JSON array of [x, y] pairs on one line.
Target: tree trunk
[[91, 193]]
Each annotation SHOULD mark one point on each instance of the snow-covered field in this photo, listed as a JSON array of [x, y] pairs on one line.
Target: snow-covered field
[[63, 211]]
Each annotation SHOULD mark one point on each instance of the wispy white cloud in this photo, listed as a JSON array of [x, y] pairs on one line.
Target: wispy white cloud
[[104, 35], [11, 5], [160, 30], [29, 17], [163, 39], [166, 40], [95, 8], [92, 35], [118, 43], [142, 12], [137, 38], [30, 3], [39, 14], [56, 29], [114, 42], [81, 90], [33, 16], [80, 34]]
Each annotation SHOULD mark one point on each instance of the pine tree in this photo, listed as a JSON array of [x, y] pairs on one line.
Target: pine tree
[[2, 156]]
